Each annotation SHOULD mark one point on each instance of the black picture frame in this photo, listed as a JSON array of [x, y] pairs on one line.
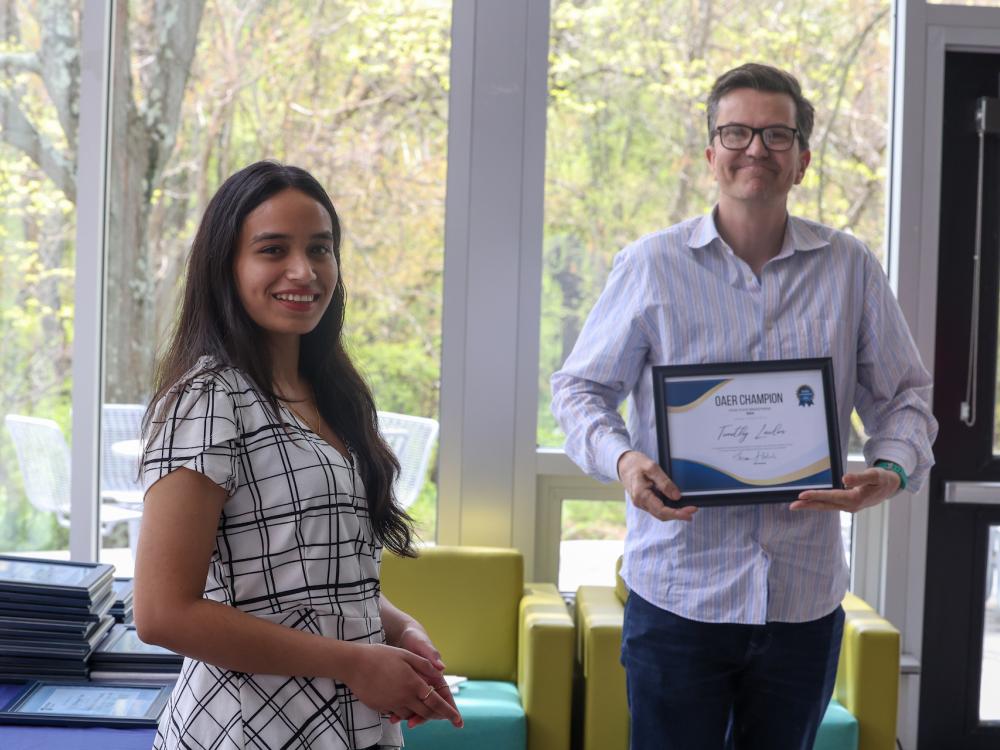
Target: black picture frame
[[51, 607], [122, 645], [69, 581], [49, 645], [23, 709], [664, 374], [43, 624]]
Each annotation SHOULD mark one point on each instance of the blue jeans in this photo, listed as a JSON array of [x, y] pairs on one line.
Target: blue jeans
[[714, 686]]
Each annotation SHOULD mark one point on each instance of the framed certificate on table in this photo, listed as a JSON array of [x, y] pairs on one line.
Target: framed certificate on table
[[87, 704], [747, 432]]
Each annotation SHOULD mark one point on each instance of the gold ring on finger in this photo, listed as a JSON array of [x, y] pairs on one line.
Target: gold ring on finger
[[428, 693]]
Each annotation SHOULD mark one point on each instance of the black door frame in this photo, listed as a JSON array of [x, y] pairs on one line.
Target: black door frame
[[957, 533]]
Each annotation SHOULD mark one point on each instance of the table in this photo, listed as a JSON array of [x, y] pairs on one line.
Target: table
[[127, 448]]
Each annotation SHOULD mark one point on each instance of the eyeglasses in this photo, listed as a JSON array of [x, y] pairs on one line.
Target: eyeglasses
[[737, 137]]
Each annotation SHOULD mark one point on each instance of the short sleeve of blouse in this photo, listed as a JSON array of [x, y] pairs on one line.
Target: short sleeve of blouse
[[198, 432]]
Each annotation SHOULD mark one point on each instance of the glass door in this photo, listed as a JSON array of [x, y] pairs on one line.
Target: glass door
[[960, 663]]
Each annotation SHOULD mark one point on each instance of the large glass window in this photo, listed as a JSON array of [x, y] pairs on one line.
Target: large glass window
[[627, 134], [354, 92], [39, 110]]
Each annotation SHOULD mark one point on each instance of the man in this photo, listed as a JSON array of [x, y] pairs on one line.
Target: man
[[733, 622]]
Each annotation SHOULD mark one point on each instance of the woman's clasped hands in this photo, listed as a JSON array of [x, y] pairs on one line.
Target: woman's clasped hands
[[406, 682]]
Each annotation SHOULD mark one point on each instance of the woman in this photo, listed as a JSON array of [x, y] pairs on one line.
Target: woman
[[269, 497]]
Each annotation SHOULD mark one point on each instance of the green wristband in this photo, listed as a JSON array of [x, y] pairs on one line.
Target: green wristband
[[893, 466]]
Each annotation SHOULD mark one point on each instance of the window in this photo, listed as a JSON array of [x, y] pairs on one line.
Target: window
[[591, 540], [626, 133], [354, 92], [38, 115]]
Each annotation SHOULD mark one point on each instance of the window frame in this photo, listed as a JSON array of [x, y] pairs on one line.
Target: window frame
[[96, 19]]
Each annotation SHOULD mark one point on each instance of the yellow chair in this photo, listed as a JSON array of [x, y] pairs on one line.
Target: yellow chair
[[867, 674], [490, 626]]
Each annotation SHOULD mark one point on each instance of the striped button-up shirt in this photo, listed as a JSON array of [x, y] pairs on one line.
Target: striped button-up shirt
[[681, 296]]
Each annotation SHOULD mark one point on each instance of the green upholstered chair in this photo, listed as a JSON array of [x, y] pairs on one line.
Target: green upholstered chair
[[514, 641], [862, 714]]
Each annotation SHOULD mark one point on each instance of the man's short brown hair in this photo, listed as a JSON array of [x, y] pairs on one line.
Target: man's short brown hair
[[762, 78]]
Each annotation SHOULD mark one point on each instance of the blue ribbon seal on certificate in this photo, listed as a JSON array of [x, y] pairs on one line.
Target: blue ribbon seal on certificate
[[805, 395]]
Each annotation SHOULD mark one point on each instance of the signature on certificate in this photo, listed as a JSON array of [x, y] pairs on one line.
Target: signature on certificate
[[755, 456], [740, 433]]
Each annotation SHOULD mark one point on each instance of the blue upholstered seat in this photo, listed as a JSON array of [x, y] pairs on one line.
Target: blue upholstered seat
[[839, 730], [494, 720]]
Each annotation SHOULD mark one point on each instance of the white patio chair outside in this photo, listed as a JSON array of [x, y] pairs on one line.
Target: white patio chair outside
[[412, 439], [43, 457], [120, 424]]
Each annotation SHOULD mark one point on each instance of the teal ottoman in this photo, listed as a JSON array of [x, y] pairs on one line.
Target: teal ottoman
[[494, 720], [838, 730]]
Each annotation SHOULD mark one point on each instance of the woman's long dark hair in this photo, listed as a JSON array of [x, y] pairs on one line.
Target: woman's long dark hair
[[213, 322]]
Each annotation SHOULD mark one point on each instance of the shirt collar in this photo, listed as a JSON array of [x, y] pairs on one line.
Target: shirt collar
[[798, 235], [705, 232]]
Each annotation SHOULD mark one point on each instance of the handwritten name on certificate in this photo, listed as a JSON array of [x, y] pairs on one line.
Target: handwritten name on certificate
[[747, 433]]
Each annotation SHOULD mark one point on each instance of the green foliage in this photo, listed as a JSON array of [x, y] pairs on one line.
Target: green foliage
[[424, 512], [593, 519], [403, 377]]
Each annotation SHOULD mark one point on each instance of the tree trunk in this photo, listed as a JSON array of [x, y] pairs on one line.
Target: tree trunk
[[128, 287], [142, 141]]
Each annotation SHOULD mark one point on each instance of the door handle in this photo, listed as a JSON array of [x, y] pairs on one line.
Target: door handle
[[975, 493]]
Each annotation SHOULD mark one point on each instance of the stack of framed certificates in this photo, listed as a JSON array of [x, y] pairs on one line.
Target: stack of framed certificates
[[52, 616], [122, 656], [121, 610]]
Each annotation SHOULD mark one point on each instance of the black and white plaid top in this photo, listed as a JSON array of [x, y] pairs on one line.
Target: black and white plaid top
[[294, 546]]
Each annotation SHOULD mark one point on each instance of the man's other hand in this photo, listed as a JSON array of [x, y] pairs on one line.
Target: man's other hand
[[643, 478], [861, 490]]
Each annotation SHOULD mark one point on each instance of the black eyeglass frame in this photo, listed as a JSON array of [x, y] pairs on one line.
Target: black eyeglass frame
[[754, 132]]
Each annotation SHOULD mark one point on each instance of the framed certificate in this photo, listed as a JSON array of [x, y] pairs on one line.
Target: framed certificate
[[123, 645], [49, 645], [68, 580], [747, 432], [13, 605], [87, 704], [43, 625]]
